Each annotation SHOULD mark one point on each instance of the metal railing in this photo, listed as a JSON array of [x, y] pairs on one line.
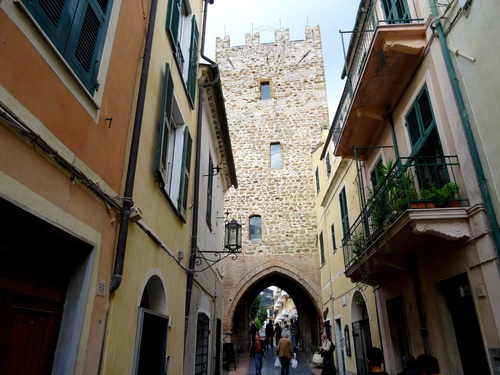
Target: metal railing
[[362, 38], [416, 182]]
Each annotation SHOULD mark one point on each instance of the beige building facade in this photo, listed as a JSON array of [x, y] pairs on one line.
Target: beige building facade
[[425, 238]]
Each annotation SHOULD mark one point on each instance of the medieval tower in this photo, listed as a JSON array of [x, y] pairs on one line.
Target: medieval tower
[[276, 103]]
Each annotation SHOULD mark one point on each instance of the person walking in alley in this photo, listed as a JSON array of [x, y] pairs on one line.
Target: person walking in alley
[[269, 333], [285, 353], [257, 352], [428, 365], [277, 332], [409, 365], [294, 329], [375, 359], [326, 350]]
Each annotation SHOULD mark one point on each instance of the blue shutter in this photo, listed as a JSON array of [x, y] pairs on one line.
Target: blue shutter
[[193, 61], [165, 116], [185, 170]]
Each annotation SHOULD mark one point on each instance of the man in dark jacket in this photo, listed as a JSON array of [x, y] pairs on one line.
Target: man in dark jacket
[[257, 352], [269, 333]]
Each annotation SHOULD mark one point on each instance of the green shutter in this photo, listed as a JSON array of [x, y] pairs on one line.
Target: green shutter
[[209, 190], [343, 212], [173, 18], [77, 29], [193, 61], [322, 248], [165, 116], [185, 169]]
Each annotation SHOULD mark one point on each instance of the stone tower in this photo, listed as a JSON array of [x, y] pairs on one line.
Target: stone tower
[[276, 103]]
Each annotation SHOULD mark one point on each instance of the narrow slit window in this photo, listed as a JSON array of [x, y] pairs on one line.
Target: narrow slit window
[[265, 91], [255, 228], [275, 155]]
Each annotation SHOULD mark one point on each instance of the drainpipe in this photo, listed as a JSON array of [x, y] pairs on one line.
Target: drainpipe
[[134, 149], [197, 175], [476, 162]]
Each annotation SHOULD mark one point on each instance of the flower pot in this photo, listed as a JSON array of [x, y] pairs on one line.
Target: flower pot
[[422, 205], [317, 359], [453, 204]]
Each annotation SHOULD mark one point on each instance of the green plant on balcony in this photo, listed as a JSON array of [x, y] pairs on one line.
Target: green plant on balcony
[[441, 195], [359, 242]]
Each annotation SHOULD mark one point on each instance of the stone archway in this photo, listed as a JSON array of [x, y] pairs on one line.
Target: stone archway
[[300, 286]]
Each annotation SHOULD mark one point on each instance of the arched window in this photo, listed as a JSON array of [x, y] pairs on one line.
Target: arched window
[[255, 228]]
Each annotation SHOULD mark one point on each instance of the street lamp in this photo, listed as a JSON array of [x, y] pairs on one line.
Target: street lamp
[[232, 246]]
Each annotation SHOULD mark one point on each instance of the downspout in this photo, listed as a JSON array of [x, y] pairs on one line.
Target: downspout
[[476, 162], [134, 149], [197, 175]]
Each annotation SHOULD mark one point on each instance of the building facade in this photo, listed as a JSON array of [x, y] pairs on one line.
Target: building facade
[[64, 127], [425, 237], [115, 159]]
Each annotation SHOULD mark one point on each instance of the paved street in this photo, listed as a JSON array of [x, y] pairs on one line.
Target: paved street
[[245, 365]]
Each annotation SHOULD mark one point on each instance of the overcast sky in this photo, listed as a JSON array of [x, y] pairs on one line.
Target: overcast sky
[[239, 17]]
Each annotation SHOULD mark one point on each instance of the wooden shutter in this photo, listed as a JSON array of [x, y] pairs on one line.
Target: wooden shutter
[[185, 171], [165, 118], [173, 19], [193, 61], [210, 184]]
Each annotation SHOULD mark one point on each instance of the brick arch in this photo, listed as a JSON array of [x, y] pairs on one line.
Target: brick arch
[[265, 269]]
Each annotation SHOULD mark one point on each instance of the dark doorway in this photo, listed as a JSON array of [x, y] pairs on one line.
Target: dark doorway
[[362, 341], [398, 330], [153, 343], [458, 296], [37, 263]]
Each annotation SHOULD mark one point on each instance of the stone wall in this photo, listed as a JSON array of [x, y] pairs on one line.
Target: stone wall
[[293, 117]]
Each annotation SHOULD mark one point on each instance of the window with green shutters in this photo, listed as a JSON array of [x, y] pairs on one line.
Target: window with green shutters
[[334, 242], [396, 11], [182, 30], [344, 216], [77, 29], [321, 248], [174, 150], [316, 174], [210, 183]]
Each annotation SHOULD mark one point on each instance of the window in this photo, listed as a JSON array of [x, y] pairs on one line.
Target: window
[[425, 142], [376, 175], [265, 91], [334, 243], [275, 155], [182, 30], [77, 29], [210, 180], [174, 150], [255, 228], [321, 248], [316, 173], [328, 164], [343, 212], [202, 336], [396, 11]]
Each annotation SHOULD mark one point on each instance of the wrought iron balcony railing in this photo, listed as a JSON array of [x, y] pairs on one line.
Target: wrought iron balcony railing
[[417, 182]]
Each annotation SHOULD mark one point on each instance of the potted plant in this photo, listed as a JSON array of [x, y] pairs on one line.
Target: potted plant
[[317, 359], [440, 196]]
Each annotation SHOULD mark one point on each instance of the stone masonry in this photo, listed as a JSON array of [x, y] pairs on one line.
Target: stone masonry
[[283, 197]]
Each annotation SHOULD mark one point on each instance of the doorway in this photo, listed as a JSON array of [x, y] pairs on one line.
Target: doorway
[[460, 308]]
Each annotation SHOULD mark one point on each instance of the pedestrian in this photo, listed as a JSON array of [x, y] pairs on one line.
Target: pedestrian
[[285, 353], [375, 360], [253, 329], [428, 365], [269, 333], [294, 329], [409, 365], [286, 331], [257, 352], [277, 332], [326, 351]]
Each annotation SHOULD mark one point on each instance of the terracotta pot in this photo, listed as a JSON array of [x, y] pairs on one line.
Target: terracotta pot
[[422, 205]]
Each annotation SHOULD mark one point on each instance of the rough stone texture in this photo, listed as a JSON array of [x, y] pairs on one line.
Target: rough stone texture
[[294, 117]]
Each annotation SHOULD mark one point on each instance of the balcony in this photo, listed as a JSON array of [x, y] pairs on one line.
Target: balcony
[[382, 59], [417, 203]]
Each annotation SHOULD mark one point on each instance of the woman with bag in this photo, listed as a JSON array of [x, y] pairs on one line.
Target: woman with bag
[[285, 354], [327, 348]]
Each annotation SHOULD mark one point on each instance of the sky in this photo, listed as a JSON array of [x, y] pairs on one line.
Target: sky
[[239, 17]]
